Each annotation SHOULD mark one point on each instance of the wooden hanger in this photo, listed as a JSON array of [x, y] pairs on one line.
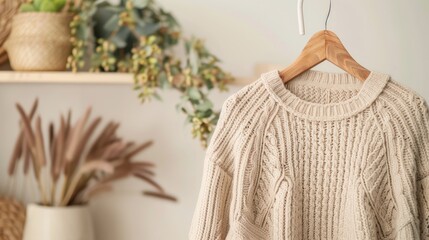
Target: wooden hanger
[[324, 45]]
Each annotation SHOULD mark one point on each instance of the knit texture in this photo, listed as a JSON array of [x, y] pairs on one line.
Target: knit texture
[[324, 156]]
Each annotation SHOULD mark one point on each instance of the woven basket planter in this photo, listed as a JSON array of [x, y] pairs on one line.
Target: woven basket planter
[[8, 8], [12, 219], [39, 41]]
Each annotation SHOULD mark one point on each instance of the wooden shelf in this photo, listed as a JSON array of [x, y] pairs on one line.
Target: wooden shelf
[[12, 77]]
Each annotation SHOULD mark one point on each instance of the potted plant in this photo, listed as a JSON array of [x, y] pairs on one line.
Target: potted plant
[[40, 36], [141, 37], [72, 166]]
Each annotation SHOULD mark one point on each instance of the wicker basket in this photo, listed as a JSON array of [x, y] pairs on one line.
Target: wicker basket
[[12, 219], [39, 41], [8, 8]]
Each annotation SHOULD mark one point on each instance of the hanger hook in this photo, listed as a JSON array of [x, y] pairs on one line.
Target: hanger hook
[[329, 13], [301, 26]]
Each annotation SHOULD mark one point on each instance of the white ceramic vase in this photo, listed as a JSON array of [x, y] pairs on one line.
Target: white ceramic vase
[[58, 223]]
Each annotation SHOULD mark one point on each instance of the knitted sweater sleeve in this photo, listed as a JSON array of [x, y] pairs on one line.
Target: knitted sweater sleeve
[[423, 168], [210, 220]]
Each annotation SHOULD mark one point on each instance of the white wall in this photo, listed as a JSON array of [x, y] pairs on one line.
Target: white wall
[[385, 35]]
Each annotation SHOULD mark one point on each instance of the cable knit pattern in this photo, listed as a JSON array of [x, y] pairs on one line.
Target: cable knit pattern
[[324, 156]]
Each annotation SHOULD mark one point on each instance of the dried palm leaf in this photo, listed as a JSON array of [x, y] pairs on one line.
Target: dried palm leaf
[[149, 180], [86, 171], [138, 149], [160, 195], [87, 134], [68, 124], [113, 151], [100, 165], [75, 137], [32, 141], [27, 150], [16, 155], [19, 148], [27, 158], [40, 146], [117, 175], [142, 164], [81, 145], [29, 140], [34, 108], [87, 168], [26, 126], [105, 138], [101, 136], [52, 143], [144, 171], [51, 135], [60, 149]]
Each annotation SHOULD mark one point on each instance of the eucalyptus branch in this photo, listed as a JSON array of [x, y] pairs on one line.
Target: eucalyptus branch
[[139, 38]]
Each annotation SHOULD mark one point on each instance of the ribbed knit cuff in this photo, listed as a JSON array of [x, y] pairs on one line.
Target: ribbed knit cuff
[[210, 219]]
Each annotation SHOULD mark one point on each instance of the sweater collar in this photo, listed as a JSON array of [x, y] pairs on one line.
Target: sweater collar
[[368, 92]]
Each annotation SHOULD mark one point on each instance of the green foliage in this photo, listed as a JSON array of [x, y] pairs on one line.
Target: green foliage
[[43, 6], [81, 33], [139, 37], [27, 7], [104, 56], [38, 3]]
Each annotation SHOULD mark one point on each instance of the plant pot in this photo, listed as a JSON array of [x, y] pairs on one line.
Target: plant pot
[[39, 41], [58, 223]]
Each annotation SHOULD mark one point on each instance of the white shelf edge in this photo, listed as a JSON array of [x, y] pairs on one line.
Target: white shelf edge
[[15, 77]]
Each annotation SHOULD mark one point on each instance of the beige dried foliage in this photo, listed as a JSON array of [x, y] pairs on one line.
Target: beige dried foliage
[[84, 167]]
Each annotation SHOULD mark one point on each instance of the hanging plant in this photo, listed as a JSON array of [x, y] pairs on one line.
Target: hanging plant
[[138, 36]]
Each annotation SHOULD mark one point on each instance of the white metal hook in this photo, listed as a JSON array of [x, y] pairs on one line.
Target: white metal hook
[[301, 26], [329, 13]]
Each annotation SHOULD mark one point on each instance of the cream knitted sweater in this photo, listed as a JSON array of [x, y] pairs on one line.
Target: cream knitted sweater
[[324, 156]]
